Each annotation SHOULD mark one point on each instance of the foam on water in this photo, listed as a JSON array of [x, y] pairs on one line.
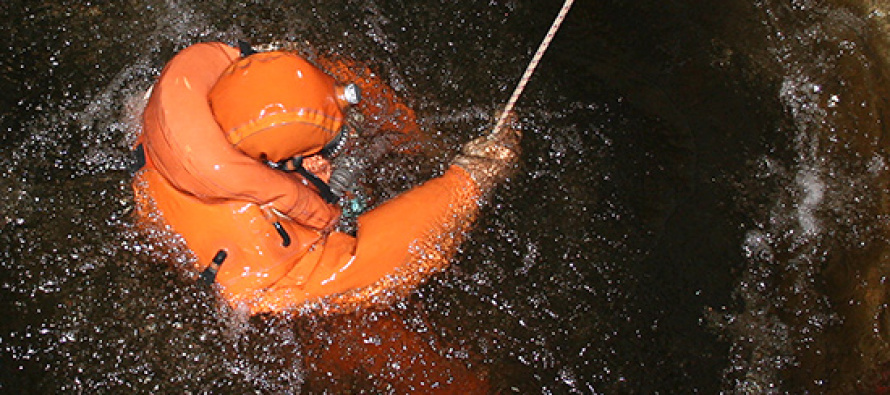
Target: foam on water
[[825, 220]]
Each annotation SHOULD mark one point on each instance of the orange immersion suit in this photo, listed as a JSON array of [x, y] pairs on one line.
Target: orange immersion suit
[[205, 178]]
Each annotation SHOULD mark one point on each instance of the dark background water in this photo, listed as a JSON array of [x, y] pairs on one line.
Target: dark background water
[[700, 205]]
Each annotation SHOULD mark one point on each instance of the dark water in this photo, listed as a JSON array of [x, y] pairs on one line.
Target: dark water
[[701, 205]]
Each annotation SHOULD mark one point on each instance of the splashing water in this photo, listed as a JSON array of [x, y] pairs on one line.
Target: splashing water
[[700, 205]]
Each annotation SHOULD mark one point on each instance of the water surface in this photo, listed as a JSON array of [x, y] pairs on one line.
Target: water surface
[[700, 205]]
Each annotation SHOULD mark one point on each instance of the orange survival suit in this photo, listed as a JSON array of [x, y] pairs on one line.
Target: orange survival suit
[[213, 122]]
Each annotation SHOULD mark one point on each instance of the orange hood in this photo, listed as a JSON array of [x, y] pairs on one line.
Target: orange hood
[[276, 105]]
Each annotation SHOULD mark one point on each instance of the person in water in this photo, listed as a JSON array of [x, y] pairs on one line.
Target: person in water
[[236, 149]]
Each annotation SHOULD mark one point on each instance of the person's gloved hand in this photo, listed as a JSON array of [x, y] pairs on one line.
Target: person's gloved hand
[[489, 159], [312, 212]]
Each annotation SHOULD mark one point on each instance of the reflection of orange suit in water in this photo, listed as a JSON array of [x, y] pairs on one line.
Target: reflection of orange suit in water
[[212, 121]]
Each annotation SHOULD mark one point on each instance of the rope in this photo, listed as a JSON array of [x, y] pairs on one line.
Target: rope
[[532, 65]]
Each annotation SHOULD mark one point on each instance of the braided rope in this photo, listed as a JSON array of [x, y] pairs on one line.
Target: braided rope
[[532, 65]]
